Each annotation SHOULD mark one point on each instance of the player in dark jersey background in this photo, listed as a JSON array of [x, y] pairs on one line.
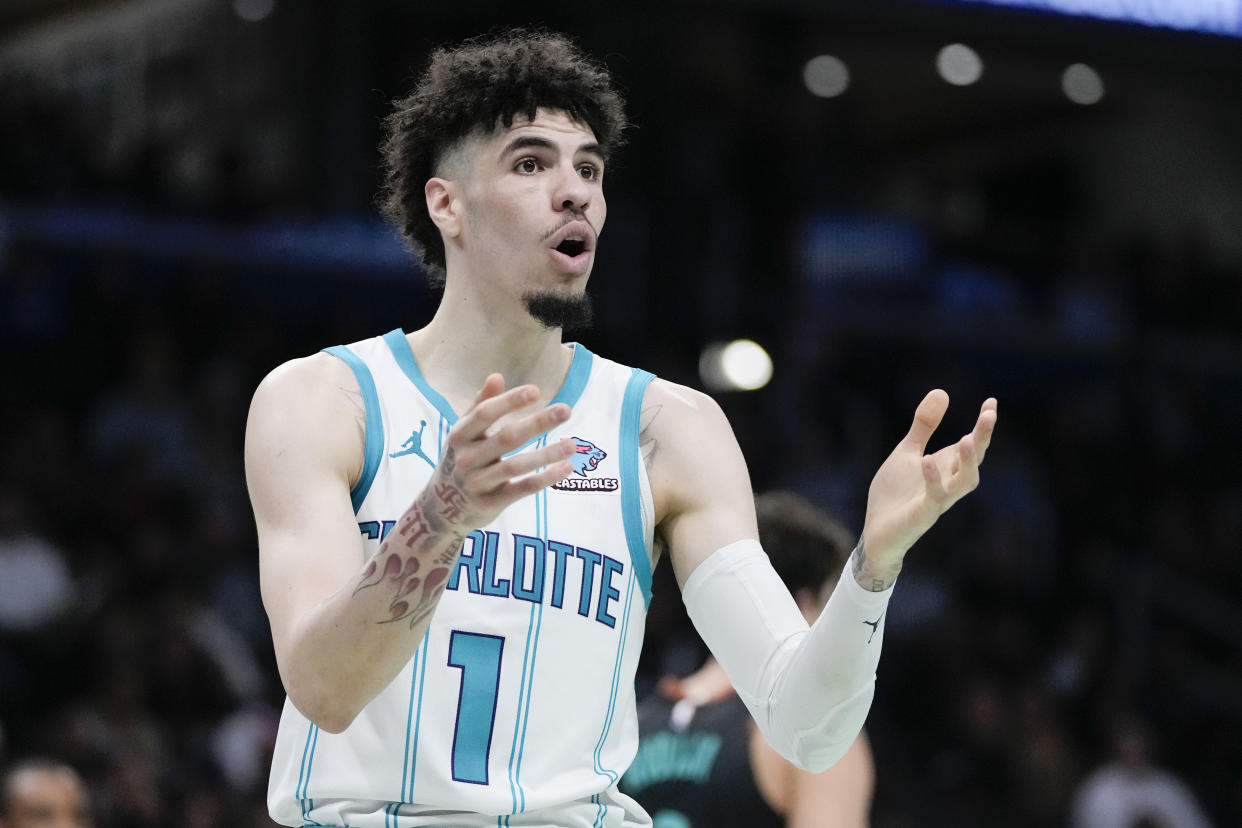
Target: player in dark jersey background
[[701, 761]]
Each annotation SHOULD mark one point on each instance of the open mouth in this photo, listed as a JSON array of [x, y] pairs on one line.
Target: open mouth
[[572, 247]]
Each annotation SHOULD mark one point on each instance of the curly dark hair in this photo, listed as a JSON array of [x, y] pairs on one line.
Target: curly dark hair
[[806, 545], [481, 85]]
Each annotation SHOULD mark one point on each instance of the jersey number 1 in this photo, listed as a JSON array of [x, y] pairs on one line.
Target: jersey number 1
[[478, 658]]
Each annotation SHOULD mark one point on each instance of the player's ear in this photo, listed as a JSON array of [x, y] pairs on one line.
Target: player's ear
[[444, 205]]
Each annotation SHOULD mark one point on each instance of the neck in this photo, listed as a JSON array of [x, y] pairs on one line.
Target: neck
[[472, 336]]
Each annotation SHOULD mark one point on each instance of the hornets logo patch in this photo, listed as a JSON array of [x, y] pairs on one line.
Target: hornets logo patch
[[586, 462]]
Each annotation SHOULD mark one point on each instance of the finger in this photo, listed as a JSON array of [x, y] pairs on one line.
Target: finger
[[984, 426], [519, 465], [519, 432], [487, 410], [966, 475], [926, 418], [492, 386], [523, 486]]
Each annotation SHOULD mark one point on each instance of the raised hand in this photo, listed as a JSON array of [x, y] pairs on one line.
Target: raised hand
[[474, 480], [472, 484], [911, 489]]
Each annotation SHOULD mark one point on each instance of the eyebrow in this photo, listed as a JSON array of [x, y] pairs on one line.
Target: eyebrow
[[536, 142]]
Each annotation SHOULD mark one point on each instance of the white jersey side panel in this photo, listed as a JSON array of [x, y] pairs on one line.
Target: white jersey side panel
[[519, 703]]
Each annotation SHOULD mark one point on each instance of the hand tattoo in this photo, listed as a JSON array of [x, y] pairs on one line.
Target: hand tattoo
[[448, 462]]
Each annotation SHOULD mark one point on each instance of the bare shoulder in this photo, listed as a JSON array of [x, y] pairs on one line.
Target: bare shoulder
[[314, 374], [689, 449], [314, 405], [676, 414]]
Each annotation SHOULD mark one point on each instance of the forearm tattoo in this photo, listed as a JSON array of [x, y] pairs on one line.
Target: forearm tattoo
[[416, 559], [867, 580]]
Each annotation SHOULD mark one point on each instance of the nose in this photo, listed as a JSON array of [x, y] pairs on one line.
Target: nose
[[571, 191]]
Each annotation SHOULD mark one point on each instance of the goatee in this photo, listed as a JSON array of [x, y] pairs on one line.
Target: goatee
[[559, 310]]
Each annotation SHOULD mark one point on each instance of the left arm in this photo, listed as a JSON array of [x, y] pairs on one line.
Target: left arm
[[699, 480], [809, 690]]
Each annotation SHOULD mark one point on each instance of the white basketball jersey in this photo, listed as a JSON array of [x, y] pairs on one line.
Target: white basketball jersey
[[518, 707]]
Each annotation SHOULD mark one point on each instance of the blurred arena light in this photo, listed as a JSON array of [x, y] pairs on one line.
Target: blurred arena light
[[254, 10], [740, 365], [1212, 16], [826, 76], [959, 64], [1082, 84]]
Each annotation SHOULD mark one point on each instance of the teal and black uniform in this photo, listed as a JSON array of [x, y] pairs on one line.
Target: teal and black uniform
[[699, 775]]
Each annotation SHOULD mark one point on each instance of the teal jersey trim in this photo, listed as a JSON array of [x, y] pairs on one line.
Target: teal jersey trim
[[571, 389], [530, 653], [532, 645], [408, 759], [308, 760], [418, 721], [373, 452], [576, 380], [400, 347], [418, 678], [631, 492], [514, 767], [573, 386], [414, 719], [611, 775]]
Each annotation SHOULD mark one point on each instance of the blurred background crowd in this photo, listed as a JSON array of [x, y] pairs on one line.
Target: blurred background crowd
[[186, 201]]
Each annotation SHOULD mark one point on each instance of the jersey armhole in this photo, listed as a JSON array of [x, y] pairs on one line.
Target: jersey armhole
[[373, 450], [635, 489]]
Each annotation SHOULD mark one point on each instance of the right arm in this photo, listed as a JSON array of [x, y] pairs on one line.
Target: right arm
[[344, 626]]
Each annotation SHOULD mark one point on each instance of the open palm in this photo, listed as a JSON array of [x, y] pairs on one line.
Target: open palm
[[912, 489]]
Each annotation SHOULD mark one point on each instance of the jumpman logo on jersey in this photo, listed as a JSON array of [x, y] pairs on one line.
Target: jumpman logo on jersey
[[874, 625], [415, 445]]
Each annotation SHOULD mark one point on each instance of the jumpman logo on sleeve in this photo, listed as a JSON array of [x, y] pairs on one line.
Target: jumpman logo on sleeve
[[414, 445], [874, 625]]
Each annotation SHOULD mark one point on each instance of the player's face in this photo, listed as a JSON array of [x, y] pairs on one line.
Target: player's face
[[47, 799], [535, 204]]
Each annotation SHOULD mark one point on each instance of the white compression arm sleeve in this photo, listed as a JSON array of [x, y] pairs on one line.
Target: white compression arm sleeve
[[808, 688]]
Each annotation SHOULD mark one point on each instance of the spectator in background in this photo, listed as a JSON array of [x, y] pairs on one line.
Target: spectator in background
[[36, 584], [702, 761], [1130, 790], [42, 793]]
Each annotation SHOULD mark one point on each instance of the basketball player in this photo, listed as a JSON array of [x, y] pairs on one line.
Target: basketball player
[[41, 793], [701, 760], [458, 628]]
